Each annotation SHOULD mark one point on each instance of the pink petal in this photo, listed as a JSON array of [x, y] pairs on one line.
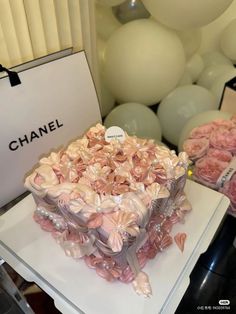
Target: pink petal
[[180, 240], [115, 241]]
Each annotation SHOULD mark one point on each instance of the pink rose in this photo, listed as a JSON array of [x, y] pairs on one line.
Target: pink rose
[[202, 131], [229, 189], [224, 139], [219, 154], [227, 124], [233, 118], [196, 148], [207, 171]]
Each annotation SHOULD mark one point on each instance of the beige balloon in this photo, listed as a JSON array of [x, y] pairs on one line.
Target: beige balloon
[[195, 66], [143, 62], [179, 106], [200, 119], [227, 41], [186, 14], [135, 119], [211, 73], [215, 58], [191, 40], [106, 23]]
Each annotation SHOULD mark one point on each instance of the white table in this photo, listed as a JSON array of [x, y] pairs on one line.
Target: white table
[[75, 288]]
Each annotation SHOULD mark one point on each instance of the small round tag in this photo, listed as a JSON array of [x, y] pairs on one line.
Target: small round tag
[[114, 133]]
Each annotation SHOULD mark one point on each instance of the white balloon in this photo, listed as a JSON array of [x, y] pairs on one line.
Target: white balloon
[[200, 119], [106, 23], [191, 40], [215, 58], [195, 66], [186, 14], [143, 62], [135, 119], [227, 40], [211, 73], [180, 105], [217, 87], [110, 3], [186, 79]]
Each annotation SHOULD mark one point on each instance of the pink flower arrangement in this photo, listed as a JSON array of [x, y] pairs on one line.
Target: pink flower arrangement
[[212, 149]]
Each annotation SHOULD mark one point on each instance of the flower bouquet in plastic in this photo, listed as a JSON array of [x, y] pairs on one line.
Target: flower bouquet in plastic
[[112, 203], [212, 149]]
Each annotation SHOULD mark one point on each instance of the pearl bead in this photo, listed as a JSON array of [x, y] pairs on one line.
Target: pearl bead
[[50, 217], [58, 226]]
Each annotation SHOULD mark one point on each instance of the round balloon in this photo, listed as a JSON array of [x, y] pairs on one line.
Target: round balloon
[[211, 73], [135, 119], [186, 79], [106, 23], [227, 40], [130, 10], [186, 14], [191, 40], [195, 66], [110, 3], [215, 58], [143, 62], [200, 119], [180, 105]]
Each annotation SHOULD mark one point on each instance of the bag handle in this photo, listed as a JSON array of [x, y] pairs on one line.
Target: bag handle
[[13, 76]]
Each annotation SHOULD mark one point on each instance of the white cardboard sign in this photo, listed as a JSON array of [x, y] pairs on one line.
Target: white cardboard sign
[[55, 103]]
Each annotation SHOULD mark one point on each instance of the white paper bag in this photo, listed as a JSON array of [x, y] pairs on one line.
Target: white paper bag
[[54, 104]]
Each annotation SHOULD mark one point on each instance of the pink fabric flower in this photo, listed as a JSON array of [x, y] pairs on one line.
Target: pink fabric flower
[[207, 170], [119, 226], [196, 148], [105, 267]]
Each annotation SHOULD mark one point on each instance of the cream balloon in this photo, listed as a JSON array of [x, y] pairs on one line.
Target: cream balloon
[[217, 87], [186, 14], [186, 79], [195, 66], [106, 23], [143, 62], [211, 73], [215, 58], [110, 3], [227, 41], [179, 106], [135, 119], [200, 119], [191, 40]]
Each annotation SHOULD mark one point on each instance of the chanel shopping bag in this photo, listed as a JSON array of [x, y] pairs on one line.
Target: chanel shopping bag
[[43, 108]]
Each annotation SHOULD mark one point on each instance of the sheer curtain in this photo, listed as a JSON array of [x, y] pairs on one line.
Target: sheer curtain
[[33, 28]]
